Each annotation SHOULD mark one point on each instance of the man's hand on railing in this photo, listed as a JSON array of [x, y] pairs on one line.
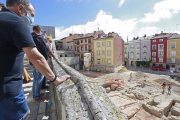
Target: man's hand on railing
[[61, 79]]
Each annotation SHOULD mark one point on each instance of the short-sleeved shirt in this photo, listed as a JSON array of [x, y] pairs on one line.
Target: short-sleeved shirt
[[14, 35]]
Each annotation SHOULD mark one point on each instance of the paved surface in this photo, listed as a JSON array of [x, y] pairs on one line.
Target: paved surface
[[148, 70], [44, 110]]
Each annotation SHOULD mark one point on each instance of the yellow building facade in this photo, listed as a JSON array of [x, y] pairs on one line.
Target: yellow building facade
[[103, 51], [173, 51]]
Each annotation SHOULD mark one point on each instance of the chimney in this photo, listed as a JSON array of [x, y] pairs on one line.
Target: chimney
[[94, 32], [70, 34]]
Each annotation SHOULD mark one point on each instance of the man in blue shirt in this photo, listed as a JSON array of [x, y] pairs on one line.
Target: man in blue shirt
[[15, 39]]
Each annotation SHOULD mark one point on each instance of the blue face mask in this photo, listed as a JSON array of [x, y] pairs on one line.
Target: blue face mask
[[28, 19]]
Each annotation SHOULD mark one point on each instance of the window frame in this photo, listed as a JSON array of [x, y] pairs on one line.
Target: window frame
[[97, 44], [99, 53], [173, 60], [162, 60], [152, 47], [173, 55], [109, 45], [108, 62], [171, 45]]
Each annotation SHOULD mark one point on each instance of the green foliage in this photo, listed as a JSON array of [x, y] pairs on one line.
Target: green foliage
[[148, 63]]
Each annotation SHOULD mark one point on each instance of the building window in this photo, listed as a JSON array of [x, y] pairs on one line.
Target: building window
[[98, 44], [68, 47], [71, 46], [109, 44], [153, 54], [173, 45], [81, 48], [85, 40], [173, 60], [103, 52], [98, 53], [103, 60], [137, 46], [161, 60], [102, 43], [154, 40], [160, 46], [81, 41], [173, 53], [109, 53], [160, 40], [60, 55], [154, 47], [145, 57], [64, 59], [137, 57], [153, 59], [98, 61], [109, 61], [160, 54], [144, 45], [81, 56], [65, 55]]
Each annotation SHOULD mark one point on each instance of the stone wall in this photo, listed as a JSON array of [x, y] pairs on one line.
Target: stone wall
[[82, 98]]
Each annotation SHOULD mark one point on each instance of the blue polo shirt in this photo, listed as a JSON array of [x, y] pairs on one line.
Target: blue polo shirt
[[14, 35]]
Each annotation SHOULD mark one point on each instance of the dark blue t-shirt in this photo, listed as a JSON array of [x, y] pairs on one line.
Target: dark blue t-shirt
[[14, 35]]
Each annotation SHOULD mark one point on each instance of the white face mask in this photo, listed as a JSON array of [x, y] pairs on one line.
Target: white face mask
[[28, 19]]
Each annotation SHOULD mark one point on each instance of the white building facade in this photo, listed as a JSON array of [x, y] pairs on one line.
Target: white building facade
[[137, 50]]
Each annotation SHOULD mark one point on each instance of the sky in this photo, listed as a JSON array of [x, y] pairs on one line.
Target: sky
[[130, 18]]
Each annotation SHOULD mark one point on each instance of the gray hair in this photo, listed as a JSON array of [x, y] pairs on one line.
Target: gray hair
[[11, 3]]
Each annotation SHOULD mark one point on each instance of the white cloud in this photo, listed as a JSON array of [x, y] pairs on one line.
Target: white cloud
[[105, 21], [162, 10], [148, 31], [121, 3]]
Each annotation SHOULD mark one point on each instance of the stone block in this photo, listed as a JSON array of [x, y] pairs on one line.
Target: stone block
[[108, 90], [113, 87], [131, 110], [176, 110]]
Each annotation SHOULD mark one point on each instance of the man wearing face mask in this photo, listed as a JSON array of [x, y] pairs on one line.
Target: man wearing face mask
[[15, 39]]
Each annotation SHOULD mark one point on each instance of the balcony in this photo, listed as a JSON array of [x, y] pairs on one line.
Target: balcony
[[89, 41], [89, 51], [138, 48], [144, 46], [132, 47], [144, 52], [145, 58], [154, 56]]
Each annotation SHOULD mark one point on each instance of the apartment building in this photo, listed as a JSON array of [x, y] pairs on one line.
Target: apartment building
[[159, 49], [84, 44], [108, 52], [137, 50], [173, 51]]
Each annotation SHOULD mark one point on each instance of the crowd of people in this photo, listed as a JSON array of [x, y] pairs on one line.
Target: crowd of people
[[15, 40]]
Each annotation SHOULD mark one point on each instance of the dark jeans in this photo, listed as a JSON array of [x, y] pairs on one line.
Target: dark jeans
[[44, 82], [14, 108]]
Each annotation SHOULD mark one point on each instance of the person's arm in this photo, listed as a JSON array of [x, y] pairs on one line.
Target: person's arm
[[51, 53], [41, 65]]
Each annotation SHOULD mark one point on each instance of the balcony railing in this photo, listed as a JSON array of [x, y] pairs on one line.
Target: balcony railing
[[144, 52], [173, 55], [144, 46], [89, 41], [154, 56], [160, 56], [132, 47], [145, 58], [138, 48]]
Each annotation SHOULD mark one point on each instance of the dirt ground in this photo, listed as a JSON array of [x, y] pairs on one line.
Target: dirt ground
[[140, 102]]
